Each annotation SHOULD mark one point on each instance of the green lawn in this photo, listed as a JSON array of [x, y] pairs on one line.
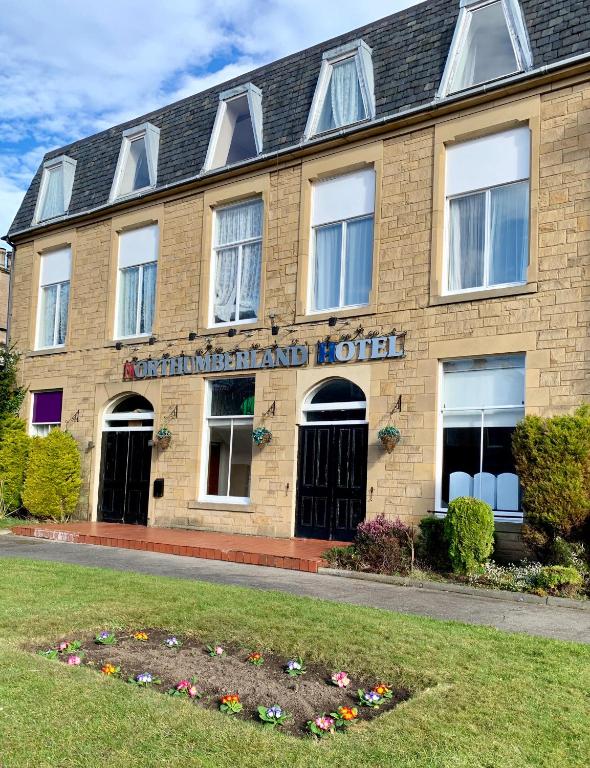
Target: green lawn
[[483, 698]]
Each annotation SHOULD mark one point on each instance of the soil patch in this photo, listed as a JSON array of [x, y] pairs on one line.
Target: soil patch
[[304, 697]]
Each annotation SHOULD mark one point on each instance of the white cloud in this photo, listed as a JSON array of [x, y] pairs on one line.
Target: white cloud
[[75, 68]]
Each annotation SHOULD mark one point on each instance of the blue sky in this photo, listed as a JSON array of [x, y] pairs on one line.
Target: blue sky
[[71, 68]]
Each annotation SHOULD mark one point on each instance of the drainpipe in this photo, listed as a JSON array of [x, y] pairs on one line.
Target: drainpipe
[[10, 288]]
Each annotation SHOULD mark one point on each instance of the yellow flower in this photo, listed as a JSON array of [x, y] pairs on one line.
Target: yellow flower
[[140, 636]]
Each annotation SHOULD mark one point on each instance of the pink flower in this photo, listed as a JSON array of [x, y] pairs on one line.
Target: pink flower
[[62, 646], [74, 660], [192, 691], [183, 685], [219, 650], [341, 679], [324, 723]]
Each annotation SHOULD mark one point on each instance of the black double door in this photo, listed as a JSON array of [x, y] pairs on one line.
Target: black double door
[[125, 477], [332, 481]]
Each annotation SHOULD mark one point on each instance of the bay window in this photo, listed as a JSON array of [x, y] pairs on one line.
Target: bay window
[[138, 266], [237, 258], [342, 241], [487, 211], [54, 298], [230, 412], [482, 401]]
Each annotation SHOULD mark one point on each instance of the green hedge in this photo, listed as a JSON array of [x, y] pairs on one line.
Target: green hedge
[[14, 453], [469, 530], [552, 459], [52, 484]]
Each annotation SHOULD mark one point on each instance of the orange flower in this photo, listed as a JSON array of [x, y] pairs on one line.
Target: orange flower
[[380, 689], [140, 636], [230, 698], [348, 713], [108, 669]]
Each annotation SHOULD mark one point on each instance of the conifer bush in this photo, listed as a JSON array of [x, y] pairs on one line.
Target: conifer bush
[[469, 530], [14, 453], [552, 458], [53, 480]]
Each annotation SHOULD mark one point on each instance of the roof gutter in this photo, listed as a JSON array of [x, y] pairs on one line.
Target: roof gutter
[[445, 104]]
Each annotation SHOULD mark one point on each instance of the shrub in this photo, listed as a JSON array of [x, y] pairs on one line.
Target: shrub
[[559, 579], [432, 547], [342, 557], [469, 529], [511, 577], [552, 458], [52, 485], [14, 452], [384, 546], [11, 395]]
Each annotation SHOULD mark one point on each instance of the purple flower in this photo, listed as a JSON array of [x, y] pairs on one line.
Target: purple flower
[[274, 711], [293, 665], [372, 697], [144, 677], [171, 642], [104, 635]]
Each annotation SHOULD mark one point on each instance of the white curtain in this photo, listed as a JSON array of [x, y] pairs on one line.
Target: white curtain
[[148, 298], [343, 103], [466, 242], [328, 251], [509, 233], [48, 308], [53, 205], [226, 270], [64, 300], [359, 261], [128, 288], [239, 222], [250, 281]]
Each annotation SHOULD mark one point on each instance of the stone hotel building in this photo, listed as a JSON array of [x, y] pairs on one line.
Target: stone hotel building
[[391, 228]]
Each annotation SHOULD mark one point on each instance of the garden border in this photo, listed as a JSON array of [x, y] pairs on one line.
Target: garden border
[[436, 586]]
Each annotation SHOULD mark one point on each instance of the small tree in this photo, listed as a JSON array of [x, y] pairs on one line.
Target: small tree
[[469, 529], [11, 395], [52, 484], [552, 458], [14, 453]]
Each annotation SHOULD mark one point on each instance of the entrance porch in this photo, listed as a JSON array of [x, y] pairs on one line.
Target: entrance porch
[[292, 554]]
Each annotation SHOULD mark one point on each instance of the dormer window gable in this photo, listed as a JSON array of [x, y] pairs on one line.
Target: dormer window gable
[[237, 131], [345, 91], [55, 191], [137, 167], [490, 42]]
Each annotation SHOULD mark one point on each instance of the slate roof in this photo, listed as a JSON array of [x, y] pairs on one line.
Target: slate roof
[[410, 49]]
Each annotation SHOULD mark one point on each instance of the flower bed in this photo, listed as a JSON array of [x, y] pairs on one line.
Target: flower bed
[[266, 693]]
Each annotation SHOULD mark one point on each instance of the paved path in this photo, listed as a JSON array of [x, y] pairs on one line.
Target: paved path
[[547, 621]]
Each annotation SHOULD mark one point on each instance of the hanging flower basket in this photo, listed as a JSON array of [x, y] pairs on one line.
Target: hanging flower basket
[[163, 438], [390, 437], [262, 436]]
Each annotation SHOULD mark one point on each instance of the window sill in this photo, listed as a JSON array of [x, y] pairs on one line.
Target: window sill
[[128, 341], [48, 351], [221, 330], [485, 293], [338, 313], [211, 506]]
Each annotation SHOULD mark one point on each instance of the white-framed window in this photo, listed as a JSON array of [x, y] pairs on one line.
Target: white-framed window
[[137, 166], [335, 401], [54, 298], [345, 91], [237, 258], [487, 211], [228, 440], [46, 411], [490, 42], [136, 284], [237, 131], [343, 212], [482, 400], [55, 190]]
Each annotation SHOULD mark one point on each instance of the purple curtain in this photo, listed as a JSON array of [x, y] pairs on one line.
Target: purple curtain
[[47, 407]]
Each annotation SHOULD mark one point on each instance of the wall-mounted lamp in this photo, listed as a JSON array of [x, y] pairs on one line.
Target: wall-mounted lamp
[[332, 321], [118, 345], [152, 340], [192, 336], [274, 329], [232, 332]]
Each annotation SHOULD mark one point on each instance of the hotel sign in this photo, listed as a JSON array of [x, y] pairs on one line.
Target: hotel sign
[[376, 348]]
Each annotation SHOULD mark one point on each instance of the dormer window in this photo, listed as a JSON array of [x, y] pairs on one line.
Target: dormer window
[[490, 42], [344, 93], [237, 131], [55, 191], [137, 167]]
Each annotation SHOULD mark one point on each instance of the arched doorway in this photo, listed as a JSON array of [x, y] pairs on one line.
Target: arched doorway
[[125, 461], [332, 462]]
